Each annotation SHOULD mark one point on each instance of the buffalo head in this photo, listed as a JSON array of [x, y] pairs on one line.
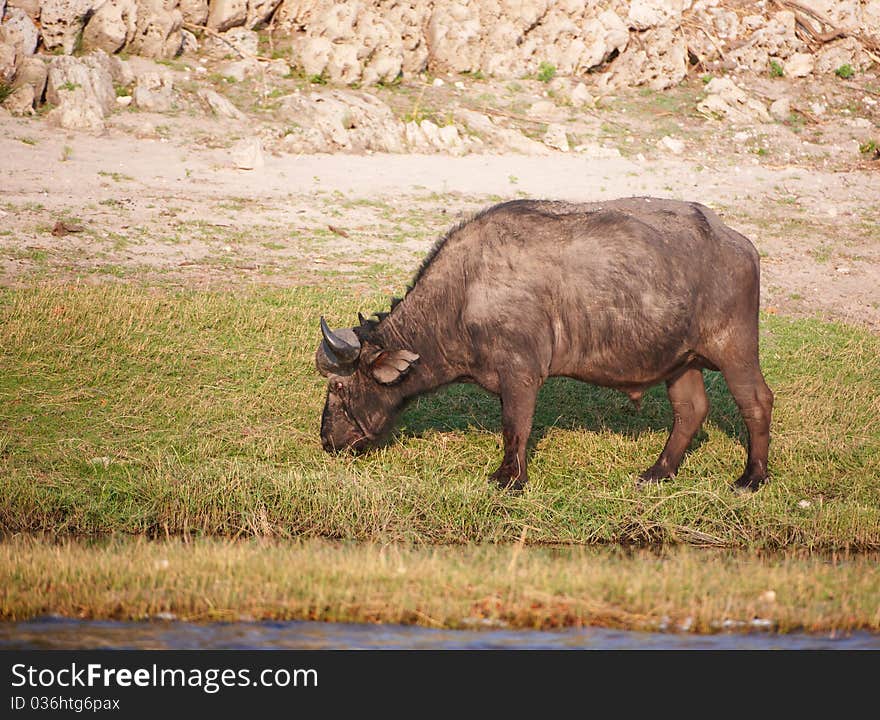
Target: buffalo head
[[362, 394]]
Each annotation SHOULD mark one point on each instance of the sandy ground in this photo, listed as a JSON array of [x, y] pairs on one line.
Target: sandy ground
[[162, 210]]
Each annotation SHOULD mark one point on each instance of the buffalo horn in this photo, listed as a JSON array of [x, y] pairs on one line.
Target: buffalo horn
[[341, 349]]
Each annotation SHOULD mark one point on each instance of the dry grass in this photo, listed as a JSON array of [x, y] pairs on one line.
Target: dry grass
[[472, 586]]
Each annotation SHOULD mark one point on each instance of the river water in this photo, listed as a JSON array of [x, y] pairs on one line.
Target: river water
[[64, 634]]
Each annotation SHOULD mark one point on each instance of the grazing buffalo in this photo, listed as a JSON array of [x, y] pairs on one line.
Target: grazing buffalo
[[625, 294]]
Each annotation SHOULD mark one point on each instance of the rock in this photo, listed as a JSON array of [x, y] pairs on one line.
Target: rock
[[158, 33], [646, 14], [332, 120], [247, 154], [20, 101], [31, 7], [846, 51], [239, 70], [18, 29], [112, 26], [225, 14], [123, 100], [8, 56], [659, 61], [259, 12], [153, 92], [674, 145], [556, 137], [780, 109], [86, 82], [32, 71], [581, 97], [799, 65], [77, 112], [194, 12], [595, 150], [546, 111], [189, 43], [62, 21], [727, 100], [449, 137], [438, 82], [237, 43], [277, 68], [220, 105], [501, 137]]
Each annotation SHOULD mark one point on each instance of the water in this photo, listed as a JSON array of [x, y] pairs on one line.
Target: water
[[64, 634]]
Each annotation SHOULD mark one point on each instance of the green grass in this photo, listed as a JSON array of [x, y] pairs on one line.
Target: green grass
[[126, 409], [679, 589], [546, 72]]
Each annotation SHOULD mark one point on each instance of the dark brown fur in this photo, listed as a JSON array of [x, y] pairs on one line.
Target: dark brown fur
[[625, 294]]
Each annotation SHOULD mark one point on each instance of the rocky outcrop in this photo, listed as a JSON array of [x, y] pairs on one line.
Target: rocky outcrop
[[158, 33], [18, 29], [341, 120], [62, 22]]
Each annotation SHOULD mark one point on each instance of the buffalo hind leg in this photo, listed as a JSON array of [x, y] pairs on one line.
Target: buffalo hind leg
[[755, 402], [517, 409], [690, 406]]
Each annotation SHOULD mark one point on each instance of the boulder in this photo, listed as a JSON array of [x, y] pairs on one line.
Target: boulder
[[846, 51], [225, 14], [647, 14], [726, 100], [556, 137], [8, 56], [31, 7], [85, 81], [780, 109], [259, 12], [18, 29], [153, 91], [220, 105], [21, 101], [112, 26], [158, 33], [331, 120], [247, 154], [502, 138], [77, 112], [62, 21], [799, 65], [194, 12], [659, 60], [32, 72]]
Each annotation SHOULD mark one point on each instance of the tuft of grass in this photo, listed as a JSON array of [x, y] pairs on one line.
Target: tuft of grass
[[66, 153], [776, 69], [845, 71], [546, 72], [163, 412], [683, 589], [5, 91]]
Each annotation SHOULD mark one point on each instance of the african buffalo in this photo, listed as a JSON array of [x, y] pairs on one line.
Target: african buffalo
[[624, 294]]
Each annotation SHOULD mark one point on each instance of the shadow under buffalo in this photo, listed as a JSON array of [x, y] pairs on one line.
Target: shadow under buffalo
[[568, 404]]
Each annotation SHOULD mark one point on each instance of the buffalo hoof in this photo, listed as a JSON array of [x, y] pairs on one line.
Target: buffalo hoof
[[749, 483], [654, 475], [508, 481]]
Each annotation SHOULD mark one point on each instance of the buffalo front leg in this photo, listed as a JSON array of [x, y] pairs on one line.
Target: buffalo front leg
[[690, 406], [517, 409]]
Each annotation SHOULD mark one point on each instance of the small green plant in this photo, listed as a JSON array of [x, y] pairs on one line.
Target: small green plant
[[513, 179], [776, 69], [707, 78], [546, 72], [122, 90], [28, 140], [70, 86], [845, 71], [870, 148], [5, 91], [66, 153], [318, 79]]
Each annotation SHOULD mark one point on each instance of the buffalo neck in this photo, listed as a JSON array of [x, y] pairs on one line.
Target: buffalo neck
[[424, 322]]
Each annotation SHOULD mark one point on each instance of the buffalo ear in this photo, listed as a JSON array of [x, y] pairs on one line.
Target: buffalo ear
[[389, 366]]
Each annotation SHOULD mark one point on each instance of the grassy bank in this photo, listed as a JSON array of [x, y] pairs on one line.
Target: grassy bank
[[132, 410], [472, 586]]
